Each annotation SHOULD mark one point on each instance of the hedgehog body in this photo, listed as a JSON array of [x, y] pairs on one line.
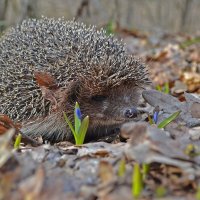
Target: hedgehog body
[[48, 64]]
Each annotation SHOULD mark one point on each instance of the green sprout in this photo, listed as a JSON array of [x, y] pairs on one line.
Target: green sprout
[[150, 120], [122, 167], [137, 183], [160, 191], [198, 193], [192, 150], [17, 141], [110, 27], [189, 42], [80, 127], [164, 89], [145, 170]]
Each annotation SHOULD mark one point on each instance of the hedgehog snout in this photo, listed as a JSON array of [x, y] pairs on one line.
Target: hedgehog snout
[[131, 112]]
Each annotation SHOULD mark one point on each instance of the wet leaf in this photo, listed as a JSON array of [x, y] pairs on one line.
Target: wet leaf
[[106, 172]]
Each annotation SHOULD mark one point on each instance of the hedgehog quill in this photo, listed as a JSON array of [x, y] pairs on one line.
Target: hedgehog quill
[[48, 64]]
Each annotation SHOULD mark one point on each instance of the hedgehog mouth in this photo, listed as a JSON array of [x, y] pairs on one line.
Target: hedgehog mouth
[[124, 120], [110, 122], [119, 121], [105, 128]]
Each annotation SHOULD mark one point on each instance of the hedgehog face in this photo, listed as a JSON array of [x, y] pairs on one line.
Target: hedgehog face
[[109, 106]]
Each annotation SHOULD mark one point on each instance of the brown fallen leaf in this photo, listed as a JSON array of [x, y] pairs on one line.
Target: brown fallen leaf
[[134, 33], [8, 182], [161, 56], [195, 110], [102, 153], [5, 149], [6, 123], [192, 80], [107, 178], [32, 186], [106, 173], [179, 87]]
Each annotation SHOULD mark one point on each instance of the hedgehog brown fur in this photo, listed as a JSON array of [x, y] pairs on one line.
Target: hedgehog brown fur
[[48, 64]]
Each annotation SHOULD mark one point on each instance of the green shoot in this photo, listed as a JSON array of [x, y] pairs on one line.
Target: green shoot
[[17, 141], [83, 130], [166, 121], [198, 193], [150, 120], [159, 88], [122, 168], [192, 150], [110, 27], [69, 124], [145, 170], [164, 89], [80, 127], [160, 191], [137, 183], [190, 42]]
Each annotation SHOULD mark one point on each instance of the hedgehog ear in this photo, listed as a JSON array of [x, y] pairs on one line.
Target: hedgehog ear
[[48, 86], [45, 79]]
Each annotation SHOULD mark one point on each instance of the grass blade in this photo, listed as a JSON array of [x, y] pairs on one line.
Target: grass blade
[[70, 125], [166, 121]]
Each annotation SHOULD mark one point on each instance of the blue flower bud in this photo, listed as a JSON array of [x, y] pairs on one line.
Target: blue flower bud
[[78, 113], [155, 114], [155, 117]]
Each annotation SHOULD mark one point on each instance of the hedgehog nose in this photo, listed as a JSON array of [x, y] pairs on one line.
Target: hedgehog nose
[[131, 113]]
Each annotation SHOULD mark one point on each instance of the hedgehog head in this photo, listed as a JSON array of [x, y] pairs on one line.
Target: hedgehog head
[[107, 96]]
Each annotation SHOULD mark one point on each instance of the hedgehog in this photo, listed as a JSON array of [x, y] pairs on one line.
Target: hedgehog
[[49, 64]]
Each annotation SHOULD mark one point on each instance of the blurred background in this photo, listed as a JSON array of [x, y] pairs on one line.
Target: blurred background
[[145, 15]]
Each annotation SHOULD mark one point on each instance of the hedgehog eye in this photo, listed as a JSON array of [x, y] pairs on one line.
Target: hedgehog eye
[[99, 98]]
